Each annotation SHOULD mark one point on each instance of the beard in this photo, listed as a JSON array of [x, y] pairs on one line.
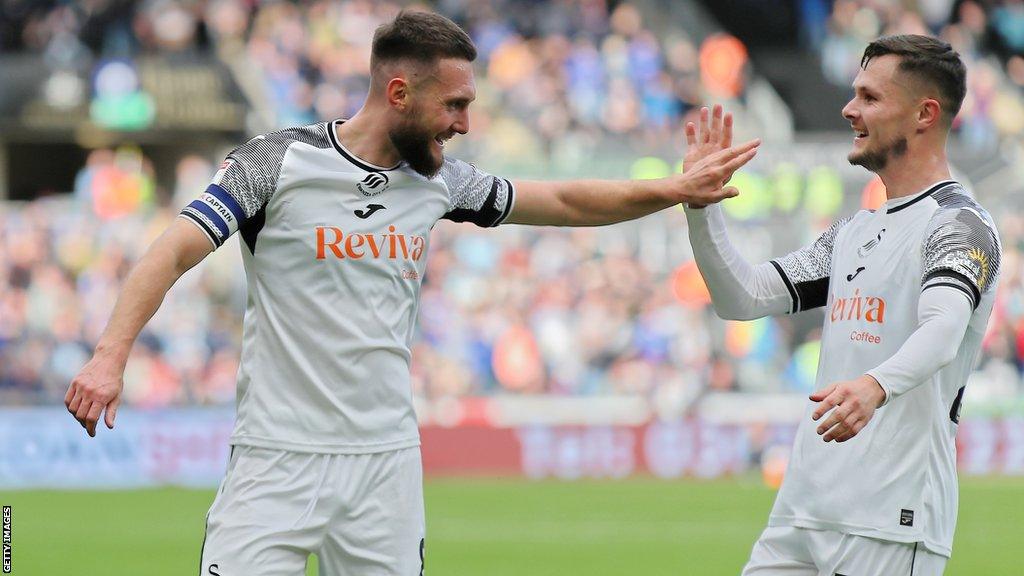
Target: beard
[[414, 145], [877, 159]]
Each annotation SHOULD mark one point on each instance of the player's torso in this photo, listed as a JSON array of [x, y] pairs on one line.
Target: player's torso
[[873, 291], [334, 276], [332, 224], [896, 478], [863, 485]]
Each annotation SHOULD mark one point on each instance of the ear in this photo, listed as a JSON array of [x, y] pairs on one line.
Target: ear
[[929, 113], [398, 93]]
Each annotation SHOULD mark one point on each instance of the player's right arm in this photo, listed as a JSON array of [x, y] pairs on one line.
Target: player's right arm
[[239, 191], [97, 387]]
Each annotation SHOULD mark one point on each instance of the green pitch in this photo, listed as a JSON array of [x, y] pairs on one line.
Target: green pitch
[[493, 527]]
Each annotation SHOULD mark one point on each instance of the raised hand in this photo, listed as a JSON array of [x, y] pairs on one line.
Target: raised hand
[[708, 138], [711, 158]]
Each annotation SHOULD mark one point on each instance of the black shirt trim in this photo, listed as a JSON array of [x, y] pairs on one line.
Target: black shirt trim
[[789, 286], [974, 293], [922, 196], [509, 200], [351, 157]]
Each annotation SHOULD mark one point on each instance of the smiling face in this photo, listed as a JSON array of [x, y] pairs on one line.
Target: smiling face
[[436, 109], [882, 113]]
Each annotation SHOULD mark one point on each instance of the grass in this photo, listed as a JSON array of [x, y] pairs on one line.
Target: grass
[[492, 527]]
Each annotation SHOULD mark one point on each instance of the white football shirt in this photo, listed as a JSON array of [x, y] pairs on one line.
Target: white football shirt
[[334, 250], [896, 480]]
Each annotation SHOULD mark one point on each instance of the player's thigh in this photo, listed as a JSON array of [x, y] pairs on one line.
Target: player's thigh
[[381, 530], [780, 551], [859, 556], [256, 524]]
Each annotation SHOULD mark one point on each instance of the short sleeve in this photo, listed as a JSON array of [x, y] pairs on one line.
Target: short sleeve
[[241, 188], [245, 182], [961, 250], [476, 196], [806, 271]]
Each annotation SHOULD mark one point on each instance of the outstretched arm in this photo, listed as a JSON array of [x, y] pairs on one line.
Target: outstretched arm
[[97, 387], [598, 202]]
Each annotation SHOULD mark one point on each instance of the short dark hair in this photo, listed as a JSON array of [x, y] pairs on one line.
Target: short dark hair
[[928, 59], [423, 37]]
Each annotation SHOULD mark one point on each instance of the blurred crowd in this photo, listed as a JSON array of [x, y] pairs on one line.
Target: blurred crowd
[[612, 310], [988, 34], [554, 78], [616, 310]]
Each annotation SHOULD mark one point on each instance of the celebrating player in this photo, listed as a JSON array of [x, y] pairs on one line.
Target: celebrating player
[[335, 221], [908, 290]]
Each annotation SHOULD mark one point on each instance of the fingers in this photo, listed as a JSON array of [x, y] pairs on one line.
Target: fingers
[[834, 419], [727, 131], [739, 155], [738, 162], [76, 399], [732, 159], [86, 403], [716, 123], [842, 424], [732, 152], [847, 417], [691, 134], [745, 147], [92, 417], [845, 428], [850, 431], [828, 399], [112, 412], [821, 395], [705, 130], [83, 410], [75, 402]]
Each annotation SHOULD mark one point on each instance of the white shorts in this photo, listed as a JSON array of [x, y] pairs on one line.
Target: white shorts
[[787, 551], [362, 515]]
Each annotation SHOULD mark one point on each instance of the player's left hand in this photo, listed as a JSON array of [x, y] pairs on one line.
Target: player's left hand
[[852, 403]]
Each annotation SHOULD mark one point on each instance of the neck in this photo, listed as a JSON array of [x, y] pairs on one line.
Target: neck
[[914, 171], [366, 136]]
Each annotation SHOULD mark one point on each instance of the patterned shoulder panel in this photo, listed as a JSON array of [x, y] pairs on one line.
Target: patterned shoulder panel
[[253, 168], [961, 246], [245, 182], [806, 271], [476, 196]]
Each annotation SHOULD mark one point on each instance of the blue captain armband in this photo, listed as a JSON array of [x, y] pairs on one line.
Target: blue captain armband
[[217, 213]]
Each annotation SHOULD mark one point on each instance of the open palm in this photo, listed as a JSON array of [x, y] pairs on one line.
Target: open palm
[[712, 135]]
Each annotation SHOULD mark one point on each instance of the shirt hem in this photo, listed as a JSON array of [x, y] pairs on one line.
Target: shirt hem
[[316, 448], [866, 531]]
